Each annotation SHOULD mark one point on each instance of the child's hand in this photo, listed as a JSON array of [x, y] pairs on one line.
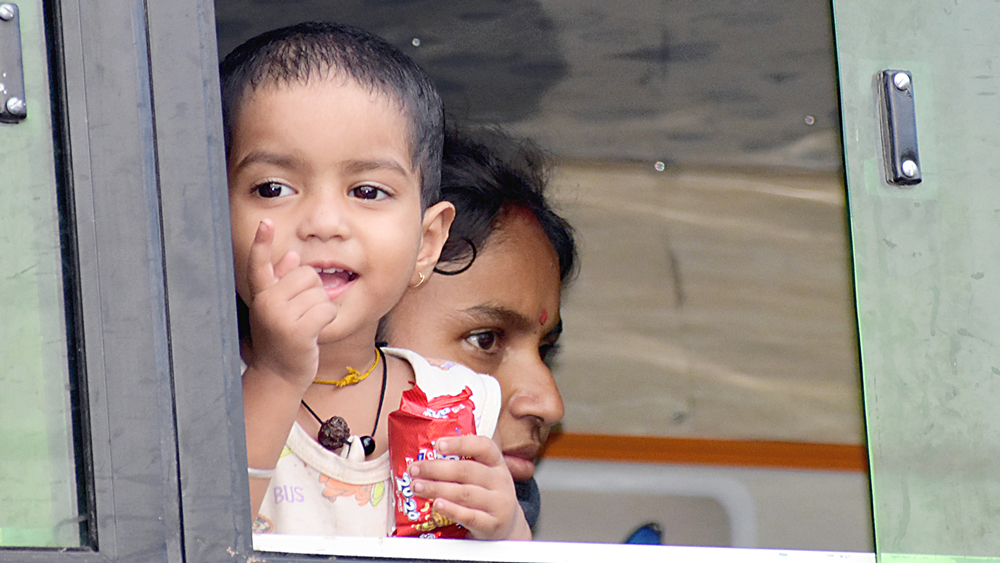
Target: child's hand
[[288, 309], [478, 493]]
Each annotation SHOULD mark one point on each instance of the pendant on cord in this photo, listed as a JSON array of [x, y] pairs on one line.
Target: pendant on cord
[[333, 433]]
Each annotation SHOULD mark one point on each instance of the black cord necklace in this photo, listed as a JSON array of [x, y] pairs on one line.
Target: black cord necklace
[[334, 432]]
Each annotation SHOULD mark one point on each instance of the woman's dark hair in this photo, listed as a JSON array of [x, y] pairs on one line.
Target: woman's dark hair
[[487, 174]]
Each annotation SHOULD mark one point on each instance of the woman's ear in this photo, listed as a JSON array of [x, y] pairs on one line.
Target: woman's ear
[[436, 225]]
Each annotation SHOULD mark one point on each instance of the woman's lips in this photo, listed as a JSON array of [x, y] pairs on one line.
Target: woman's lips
[[520, 464]]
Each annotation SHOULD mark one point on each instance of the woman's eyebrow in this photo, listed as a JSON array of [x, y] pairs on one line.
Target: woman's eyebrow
[[501, 315]]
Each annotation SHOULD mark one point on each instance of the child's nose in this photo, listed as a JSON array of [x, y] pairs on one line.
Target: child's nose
[[325, 217]]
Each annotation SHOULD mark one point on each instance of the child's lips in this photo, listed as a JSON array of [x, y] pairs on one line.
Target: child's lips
[[335, 280]]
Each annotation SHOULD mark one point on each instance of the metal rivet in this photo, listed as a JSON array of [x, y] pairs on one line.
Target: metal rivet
[[660, 166], [415, 42], [909, 168], [901, 80], [15, 106], [6, 12], [810, 120]]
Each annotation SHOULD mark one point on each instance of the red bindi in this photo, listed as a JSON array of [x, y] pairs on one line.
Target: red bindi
[[545, 317]]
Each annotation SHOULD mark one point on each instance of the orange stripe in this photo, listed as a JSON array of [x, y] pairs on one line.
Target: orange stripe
[[691, 451]]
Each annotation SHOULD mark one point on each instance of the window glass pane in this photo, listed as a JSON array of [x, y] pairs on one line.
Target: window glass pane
[[926, 260], [696, 151], [38, 474]]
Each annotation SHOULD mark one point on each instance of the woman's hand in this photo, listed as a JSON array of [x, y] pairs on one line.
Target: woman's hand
[[477, 492]]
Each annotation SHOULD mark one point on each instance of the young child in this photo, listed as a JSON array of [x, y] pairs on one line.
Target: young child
[[333, 142]]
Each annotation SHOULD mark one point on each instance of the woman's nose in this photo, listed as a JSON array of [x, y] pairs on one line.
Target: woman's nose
[[537, 395]]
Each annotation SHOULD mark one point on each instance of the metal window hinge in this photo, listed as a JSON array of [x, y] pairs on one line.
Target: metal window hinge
[[899, 128], [13, 107]]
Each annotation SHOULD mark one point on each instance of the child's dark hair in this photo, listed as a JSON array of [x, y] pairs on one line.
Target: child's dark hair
[[299, 53], [485, 179]]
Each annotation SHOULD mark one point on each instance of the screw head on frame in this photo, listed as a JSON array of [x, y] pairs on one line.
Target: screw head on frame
[[15, 106]]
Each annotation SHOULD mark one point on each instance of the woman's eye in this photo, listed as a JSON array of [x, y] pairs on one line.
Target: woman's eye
[[273, 189], [548, 353], [485, 340], [368, 192]]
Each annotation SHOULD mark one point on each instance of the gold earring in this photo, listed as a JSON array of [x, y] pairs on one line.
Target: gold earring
[[421, 282]]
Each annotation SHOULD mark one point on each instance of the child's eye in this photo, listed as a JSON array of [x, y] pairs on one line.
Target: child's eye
[[487, 340], [273, 189], [368, 192]]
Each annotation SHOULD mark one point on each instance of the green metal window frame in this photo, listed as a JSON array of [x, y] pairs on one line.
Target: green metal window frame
[[136, 93], [138, 111], [135, 83]]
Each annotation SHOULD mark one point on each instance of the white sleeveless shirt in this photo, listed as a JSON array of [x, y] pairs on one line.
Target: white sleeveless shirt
[[316, 492]]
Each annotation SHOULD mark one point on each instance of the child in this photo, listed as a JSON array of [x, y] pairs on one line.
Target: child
[[333, 142]]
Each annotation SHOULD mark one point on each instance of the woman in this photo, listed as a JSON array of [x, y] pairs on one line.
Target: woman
[[494, 305]]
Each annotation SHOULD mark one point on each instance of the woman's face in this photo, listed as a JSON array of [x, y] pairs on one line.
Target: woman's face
[[500, 317]]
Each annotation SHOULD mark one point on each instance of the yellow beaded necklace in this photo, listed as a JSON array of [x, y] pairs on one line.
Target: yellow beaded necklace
[[353, 376]]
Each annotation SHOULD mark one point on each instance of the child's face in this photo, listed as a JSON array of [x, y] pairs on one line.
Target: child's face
[[329, 163]]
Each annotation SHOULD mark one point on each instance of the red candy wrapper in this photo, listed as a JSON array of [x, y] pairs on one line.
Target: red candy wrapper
[[413, 432]]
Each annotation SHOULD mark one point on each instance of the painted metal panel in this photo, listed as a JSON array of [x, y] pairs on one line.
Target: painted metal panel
[[926, 269], [38, 479]]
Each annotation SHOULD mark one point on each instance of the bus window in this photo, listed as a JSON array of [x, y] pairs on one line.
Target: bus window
[[697, 153]]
